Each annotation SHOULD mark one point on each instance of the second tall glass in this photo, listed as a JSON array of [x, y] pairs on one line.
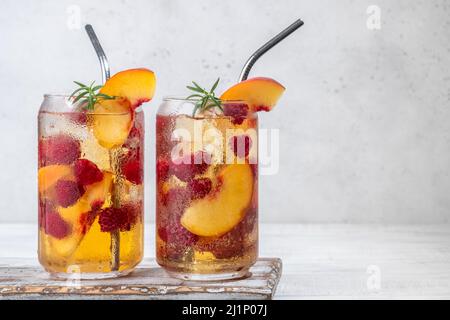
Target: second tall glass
[[207, 190]]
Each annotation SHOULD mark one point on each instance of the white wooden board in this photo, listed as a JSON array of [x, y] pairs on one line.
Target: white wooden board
[[19, 279]]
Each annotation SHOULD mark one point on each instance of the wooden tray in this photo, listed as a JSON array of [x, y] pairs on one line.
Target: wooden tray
[[21, 280]]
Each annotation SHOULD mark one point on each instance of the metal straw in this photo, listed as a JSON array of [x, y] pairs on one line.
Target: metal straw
[[115, 235], [100, 53], [269, 45]]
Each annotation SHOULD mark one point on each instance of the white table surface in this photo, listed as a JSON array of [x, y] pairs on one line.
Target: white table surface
[[327, 261]]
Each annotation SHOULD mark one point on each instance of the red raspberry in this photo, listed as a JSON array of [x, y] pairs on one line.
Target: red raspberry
[[79, 117], [96, 205], [188, 167], [176, 200], [133, 171], [134, 138], [111, 219], [250, 220], [162, 169], [162, 233], [123, 218], [132, 163], [180, 236], [262, 108], [86, 220], [87, 172], [241, 145], [231, 244], [199, 188], [227, 246], [55, 225], [67, 193], [254, 167], [133, 214], [177, 239], [45, 205], [237, 111], [59, 149]]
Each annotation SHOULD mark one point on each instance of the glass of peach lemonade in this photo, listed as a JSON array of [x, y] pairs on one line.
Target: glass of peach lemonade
[[207, 180], [90, 179]]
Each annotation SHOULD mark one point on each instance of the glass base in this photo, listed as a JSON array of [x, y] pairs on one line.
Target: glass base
[[89, 276], [210, 277]]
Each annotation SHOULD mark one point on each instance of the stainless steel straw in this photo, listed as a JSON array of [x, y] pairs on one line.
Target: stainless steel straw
[[115, 235], [269, 45], [100, 53]]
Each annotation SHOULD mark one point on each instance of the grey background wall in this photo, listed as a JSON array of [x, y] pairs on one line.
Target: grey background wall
[[364, 124]]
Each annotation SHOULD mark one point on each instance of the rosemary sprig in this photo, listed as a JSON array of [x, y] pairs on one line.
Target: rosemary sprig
[[205, 100], [89, 95]]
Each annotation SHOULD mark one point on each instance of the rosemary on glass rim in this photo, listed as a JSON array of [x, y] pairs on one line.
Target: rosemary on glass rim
[[206, 99], [89, 95]]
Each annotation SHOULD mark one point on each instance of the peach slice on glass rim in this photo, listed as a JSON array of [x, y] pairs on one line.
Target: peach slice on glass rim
[[137, 85], [113, 119], [224, 207], [261, 93]]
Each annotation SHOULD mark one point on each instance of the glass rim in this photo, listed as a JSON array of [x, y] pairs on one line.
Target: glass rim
[[181, 99], [56, 95], [88, 112]]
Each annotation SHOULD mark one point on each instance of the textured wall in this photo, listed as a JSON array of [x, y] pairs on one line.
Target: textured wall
[[364, 124]]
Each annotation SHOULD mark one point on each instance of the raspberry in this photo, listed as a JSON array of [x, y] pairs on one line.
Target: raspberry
[[254, 167], [262, 108], [241, 145], [55, 226], [162, 169], [45, 205], [179, 235], [227, 246], [123, 218], [231, 244], [67, 193], [133, 171], [170, 230], [250, 220], [171, 206], [199, 188], [162, 233], [79, 117], [132, 213], [86, 220], [59, 149], [134, 138], [177, 238], [237, 111], [87, 172], [96, 205], [188, 167], [111, 219], [176, 200], [131, 165]]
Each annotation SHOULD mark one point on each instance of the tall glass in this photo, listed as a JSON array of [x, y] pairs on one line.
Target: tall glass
[[91, 194], [207, 190]]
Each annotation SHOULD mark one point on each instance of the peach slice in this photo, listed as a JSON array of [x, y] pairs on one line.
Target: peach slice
[[49, 175], [224, 208], [66, 246], [96, 195], [262, 93], [112, 121], [137, 85]]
